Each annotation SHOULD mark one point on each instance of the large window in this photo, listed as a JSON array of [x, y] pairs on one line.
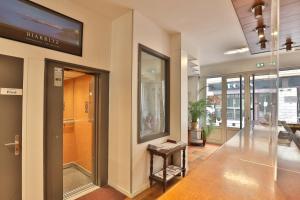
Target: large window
[[265, 96], [153, 95], [214, 101]]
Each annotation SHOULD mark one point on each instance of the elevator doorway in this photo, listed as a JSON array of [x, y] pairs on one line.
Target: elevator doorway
[[76, 129], [78, 134]]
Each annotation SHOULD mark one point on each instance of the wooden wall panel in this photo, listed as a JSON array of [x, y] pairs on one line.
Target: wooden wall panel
[[78, 136]]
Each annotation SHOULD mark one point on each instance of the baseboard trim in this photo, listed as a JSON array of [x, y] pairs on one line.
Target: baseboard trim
[[120, 189], [140, 190]]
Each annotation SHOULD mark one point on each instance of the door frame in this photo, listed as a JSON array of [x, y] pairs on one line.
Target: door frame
[[100, 127]]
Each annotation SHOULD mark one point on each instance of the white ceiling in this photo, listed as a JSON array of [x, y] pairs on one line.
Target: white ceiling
[[107, 8], [210, 25]]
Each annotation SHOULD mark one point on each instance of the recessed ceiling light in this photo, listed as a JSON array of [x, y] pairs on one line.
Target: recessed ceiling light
[[237, 51]]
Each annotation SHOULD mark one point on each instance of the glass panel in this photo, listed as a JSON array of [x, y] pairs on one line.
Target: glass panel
[[243, 102], [265, 98], [252, 111], [152, 95], [234, 107], [214, 101]]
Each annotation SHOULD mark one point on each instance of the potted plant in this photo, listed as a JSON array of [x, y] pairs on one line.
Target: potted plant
[[210, 119], [197, 109]]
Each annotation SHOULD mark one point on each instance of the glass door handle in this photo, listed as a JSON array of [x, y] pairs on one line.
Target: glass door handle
[[16, 144]]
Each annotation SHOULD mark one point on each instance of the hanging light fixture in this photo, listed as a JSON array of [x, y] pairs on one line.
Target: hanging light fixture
[[289, 44], [260, 29], [258, 8], [263, 43]]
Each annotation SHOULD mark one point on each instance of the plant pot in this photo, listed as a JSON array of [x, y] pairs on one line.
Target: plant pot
[[204, 142], [194, 125]]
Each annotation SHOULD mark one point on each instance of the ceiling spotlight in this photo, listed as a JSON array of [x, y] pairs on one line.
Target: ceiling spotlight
[[237, 51], [258, 8], [263, 43], [289, 44]]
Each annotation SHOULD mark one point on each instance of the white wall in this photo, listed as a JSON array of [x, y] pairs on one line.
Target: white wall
[[109, 45], [120, 130], [96, 53], [149, 34], [184, 96]]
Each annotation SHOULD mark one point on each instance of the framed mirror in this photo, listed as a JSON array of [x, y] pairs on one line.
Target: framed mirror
[[153, 94]]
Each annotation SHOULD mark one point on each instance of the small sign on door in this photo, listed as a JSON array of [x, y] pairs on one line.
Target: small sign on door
[[11, 91]]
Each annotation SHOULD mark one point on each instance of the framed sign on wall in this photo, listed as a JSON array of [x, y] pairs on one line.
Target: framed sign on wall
[[28, 22]]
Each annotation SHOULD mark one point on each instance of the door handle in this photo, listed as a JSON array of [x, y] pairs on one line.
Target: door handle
[[16, 144]]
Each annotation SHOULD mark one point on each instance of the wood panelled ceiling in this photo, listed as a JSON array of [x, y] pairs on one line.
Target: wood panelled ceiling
[[289, 23]]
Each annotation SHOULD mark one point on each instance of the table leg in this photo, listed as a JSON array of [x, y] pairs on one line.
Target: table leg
[[183, 163], [151, 169], [165, 174]]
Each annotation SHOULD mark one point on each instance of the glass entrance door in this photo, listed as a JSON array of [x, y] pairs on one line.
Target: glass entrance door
[[235, 105]]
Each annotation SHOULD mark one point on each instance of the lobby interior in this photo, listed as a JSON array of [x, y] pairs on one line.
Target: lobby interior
[[168, 100]]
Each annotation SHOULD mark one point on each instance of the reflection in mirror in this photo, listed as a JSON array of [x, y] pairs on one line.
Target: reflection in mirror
[[153, 100]]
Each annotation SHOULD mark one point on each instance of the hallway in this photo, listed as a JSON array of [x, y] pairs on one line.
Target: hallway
[[241, 169], [197, 155]]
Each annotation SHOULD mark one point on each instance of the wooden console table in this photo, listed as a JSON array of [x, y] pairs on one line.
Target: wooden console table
[[168, 172]]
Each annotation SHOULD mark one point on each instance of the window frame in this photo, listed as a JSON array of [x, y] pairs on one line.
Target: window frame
[[143, 49]]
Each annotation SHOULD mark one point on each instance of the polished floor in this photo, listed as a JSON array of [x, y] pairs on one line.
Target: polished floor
[[241, 169], [73, 179], [196, 155], [288, 156]]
